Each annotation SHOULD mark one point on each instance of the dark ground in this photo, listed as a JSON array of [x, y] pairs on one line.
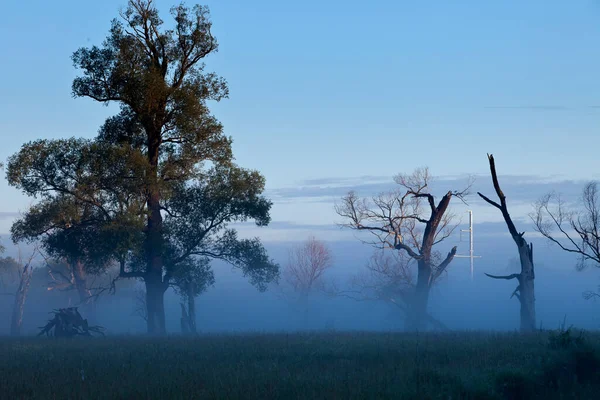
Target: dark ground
[[468, 365]]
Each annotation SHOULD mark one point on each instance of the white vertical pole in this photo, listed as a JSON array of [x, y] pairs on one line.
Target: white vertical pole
[[471, 240], [471, 255]]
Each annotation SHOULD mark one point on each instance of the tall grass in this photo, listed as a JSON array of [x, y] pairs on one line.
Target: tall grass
[[468, 365]]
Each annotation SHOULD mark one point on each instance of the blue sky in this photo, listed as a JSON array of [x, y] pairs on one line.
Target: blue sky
[[342, 90]]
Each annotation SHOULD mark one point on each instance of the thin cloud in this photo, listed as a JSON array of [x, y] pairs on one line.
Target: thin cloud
[[518, 188], [534, 107], [289, 225], [279, 231], [345, 180]]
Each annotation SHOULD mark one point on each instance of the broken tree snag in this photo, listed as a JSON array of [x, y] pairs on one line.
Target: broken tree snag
[[20, 297], [68, 322], [524, 292], [412, 222]]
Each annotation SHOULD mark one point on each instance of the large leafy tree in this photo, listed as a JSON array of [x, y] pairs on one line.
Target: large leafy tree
[[158, 77], [88, 213]]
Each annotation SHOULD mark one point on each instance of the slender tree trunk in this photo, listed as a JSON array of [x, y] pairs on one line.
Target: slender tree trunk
[[305, 309], [192, 309], [19, 305], [188, 316], [185, 320], [417, 317]]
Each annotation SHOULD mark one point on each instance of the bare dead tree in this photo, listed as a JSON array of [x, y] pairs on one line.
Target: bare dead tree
[[303, 274], [524, 291], [574, 231], [580, 229], [21, 294], [387, 278], [67, 276], [409, 220]]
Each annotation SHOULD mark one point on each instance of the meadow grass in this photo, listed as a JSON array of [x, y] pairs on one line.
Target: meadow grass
[[332, 365]]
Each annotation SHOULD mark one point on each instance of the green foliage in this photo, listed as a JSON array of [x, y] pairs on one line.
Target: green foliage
[[192, 276], [198, 215], [158, 77], [90, 198], [163, 156]]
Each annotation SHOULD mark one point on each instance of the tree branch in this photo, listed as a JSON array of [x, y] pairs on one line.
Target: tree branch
[[512, 276], [440, 269]]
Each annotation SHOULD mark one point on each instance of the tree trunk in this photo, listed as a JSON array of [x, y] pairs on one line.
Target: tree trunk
[[185, 320], [188, 316], [526, 287], [155, 287], [417, 316], [155, 305], [192, 309], [85, 295], [19, 305]]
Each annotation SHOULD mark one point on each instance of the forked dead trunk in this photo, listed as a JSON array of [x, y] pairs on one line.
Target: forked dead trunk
[[19, 305], [525, 291]]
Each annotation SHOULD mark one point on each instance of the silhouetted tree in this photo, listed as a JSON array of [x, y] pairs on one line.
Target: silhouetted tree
[[88, 214], [407, 220], [524, 291], [574, 231], [193, 276], [157, 76]]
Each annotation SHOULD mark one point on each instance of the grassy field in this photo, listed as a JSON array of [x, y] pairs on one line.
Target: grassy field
[[305, 366]]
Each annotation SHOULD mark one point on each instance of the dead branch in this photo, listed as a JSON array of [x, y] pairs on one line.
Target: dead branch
[[524, 291], [580, 228], [512, 276], [68, 322]]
